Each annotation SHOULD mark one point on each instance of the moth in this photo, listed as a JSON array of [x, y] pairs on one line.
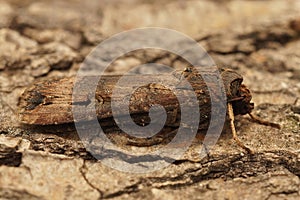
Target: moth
[[50, 102]]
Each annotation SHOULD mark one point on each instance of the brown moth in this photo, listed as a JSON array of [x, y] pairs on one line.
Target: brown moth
[[50, 102]]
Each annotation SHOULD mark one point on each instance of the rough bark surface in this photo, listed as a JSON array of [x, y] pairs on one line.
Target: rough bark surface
[[260, 40]]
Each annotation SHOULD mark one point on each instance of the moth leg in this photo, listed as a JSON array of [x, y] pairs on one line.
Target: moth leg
[[263, 122], [233, 131]]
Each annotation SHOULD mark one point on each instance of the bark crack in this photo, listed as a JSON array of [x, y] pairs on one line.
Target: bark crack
[[225, 167], [83, 170]]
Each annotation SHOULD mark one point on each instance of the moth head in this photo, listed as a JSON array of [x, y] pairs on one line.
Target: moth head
[[242, 103]]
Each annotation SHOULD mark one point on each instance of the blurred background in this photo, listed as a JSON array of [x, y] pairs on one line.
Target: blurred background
[[189, 17]]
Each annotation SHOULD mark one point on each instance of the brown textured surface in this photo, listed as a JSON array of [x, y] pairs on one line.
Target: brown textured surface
[[49, 39], [50, 102]]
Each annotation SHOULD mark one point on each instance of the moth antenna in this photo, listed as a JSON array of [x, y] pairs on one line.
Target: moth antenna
[[233, 131], [263, 122]]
